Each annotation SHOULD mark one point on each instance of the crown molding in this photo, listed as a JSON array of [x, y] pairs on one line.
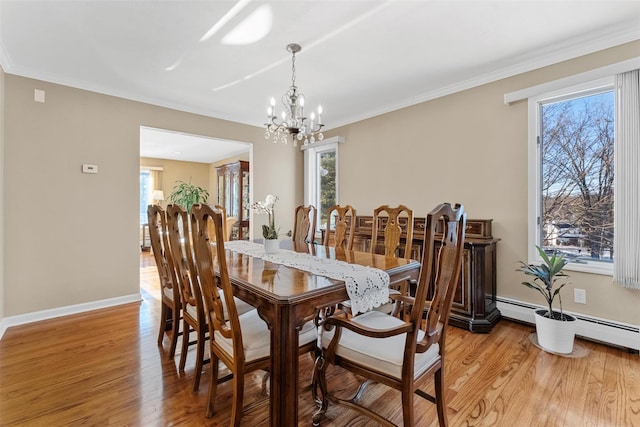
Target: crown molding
[[543, 57]]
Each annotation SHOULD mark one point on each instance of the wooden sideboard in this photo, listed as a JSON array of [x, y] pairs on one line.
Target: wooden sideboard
[[474, 305]]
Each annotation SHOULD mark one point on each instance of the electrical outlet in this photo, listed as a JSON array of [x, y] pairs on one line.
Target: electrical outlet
[[580, 296]]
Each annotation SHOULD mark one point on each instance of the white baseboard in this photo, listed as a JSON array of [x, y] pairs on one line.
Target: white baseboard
[[606, 331], [37, 316]]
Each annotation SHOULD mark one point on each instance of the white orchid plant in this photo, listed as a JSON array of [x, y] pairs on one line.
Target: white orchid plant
[[269, 231]]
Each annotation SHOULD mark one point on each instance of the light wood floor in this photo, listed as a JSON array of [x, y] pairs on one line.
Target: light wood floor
[[105, 368]]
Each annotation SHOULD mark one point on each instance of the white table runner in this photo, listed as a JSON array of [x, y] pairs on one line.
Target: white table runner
[[367, 287]]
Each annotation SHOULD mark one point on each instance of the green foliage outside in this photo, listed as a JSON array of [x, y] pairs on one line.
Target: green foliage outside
[[327, 185]]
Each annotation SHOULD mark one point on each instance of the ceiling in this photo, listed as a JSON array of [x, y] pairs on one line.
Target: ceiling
[[359, 59]]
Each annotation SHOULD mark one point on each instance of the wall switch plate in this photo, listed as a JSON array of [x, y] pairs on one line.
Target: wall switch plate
[[89, 168], [580, 296]]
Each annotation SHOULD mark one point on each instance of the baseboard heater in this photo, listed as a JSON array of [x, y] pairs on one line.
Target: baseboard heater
[[588, 327]]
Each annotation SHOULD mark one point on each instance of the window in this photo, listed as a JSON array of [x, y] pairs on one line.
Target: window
[[321, 176], [572, 156], [150, 184], [146, 185]]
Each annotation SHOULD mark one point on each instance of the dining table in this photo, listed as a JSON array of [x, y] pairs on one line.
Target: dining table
[[286, 297]]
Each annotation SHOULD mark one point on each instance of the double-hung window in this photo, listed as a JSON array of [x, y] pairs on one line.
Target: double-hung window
[[572, 174]]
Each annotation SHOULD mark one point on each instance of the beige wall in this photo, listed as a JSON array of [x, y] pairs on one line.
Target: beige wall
[[73, 237], [480, 146], [2, 299], [174, 171]]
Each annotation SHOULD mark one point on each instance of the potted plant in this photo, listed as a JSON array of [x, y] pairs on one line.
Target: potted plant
[[555, 329], [269, 230], [186, 195]]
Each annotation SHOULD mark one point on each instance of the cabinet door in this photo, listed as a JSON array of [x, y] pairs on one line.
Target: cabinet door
[[244, 200], [234, 210]]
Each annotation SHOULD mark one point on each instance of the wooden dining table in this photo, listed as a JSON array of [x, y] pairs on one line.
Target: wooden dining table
[[287, 297]]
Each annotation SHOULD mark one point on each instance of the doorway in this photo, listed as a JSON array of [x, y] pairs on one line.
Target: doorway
[[167, 157]]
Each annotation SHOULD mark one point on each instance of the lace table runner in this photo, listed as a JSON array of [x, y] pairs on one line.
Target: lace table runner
[[367, 287]]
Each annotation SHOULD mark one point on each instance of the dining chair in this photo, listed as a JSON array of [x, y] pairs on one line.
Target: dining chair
[[390, 351], [304, 227], [240, 341], [193, 311], [170, 311], [341, 225], [193, 317], [390, 224], [395, 227], [228, 221]]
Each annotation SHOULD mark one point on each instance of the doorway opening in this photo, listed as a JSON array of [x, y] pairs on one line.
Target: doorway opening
[[168, 157]]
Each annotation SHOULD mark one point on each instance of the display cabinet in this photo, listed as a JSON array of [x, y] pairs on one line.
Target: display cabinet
[[233, 194]]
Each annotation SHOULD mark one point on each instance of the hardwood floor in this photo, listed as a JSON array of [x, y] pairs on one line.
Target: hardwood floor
[[105, 368]]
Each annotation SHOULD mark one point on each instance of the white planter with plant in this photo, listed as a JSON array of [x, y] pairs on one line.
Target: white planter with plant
[[269, 230], [555, 329]]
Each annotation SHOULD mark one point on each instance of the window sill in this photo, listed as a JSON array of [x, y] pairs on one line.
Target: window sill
[[602, 268]]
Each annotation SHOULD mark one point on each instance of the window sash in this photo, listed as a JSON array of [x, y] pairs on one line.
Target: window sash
[[535, 227]]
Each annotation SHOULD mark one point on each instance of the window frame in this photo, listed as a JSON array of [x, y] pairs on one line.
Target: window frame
[[535, 167], [312, 154]]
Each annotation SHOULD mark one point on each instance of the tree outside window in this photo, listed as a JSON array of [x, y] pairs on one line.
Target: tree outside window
[[327, 184], [577, 176]]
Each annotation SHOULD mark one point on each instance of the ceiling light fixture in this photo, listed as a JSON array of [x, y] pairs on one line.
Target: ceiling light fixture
[[292, 121]]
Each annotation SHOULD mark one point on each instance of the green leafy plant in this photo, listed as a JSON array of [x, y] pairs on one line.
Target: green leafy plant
[[545, 279], [269, 230], [186, 195]]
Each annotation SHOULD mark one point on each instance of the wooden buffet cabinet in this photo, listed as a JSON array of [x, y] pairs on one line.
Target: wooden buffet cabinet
[[474, 305], [233, 194]]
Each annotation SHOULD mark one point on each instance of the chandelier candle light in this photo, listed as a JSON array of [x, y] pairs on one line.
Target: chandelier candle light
[[292, 121]]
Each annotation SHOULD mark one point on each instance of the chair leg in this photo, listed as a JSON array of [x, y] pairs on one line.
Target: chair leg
[[163, 322], [238, 396], [199, 359], [175, 322], [407, 406], [440, 399], [213, 385], [185, 345], [319, 382]]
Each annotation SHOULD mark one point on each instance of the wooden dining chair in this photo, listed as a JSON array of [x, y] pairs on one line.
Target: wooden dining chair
[[193, 310], [387, 350], [304, 227], [193, 317], [394, 226], [341, 225], [170, 312], [240, 341], [391, 224], [228, 221]]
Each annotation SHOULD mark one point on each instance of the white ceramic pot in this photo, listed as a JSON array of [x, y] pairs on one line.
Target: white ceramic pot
[[271, 246], [555, 336]]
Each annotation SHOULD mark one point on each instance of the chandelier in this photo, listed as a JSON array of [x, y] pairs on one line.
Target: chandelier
[[292, 121]]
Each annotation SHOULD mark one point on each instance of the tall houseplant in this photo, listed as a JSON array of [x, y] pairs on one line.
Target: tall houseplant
[[187, 194], [555, 329]]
